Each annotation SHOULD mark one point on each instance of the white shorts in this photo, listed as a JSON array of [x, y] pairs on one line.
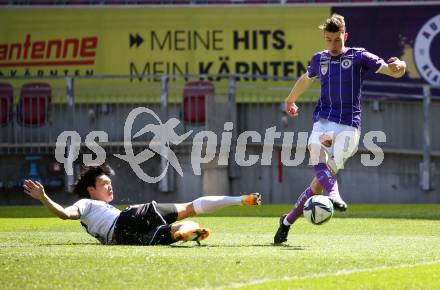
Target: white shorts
[[344, 142]]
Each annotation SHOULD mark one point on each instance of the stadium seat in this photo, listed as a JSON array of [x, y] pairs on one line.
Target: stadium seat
[[194, 100], [6, 101], [35, 99]]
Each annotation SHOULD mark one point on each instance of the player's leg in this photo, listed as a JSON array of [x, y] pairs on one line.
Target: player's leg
[[208, 204], [314, 188], [181, 231], [331, 147], [319, 139], [286, 220], [344, 146], [191, 231], [165, 230], [188, 231], [318, 155]]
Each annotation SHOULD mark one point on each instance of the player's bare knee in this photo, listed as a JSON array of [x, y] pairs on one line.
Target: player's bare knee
[[314, 150], [317, 154]]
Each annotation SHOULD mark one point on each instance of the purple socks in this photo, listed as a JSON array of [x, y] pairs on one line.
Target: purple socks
[[297, 210], [327, 179]]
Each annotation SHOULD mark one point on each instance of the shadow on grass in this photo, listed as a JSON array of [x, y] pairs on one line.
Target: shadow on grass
[[69, 244], [241, 246], [183, 246]]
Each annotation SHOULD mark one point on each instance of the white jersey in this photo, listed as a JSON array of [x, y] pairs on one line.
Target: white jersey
[[98, 218]]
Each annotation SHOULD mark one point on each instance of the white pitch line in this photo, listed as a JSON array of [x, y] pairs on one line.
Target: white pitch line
[[337, 273]]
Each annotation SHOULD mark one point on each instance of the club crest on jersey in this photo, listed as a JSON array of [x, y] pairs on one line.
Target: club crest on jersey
[[346, 63], [324, 69]]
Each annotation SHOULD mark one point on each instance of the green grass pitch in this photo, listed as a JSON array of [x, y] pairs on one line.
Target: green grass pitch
[[368, 247]]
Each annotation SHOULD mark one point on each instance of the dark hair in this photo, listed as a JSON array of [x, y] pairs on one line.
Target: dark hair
[[88, 178], [335, 23]]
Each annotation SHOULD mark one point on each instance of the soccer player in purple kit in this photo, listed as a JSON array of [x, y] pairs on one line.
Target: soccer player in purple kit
[[337, 116]]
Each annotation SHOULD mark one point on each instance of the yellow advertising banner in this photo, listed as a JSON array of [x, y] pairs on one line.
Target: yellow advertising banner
[[137, 42]]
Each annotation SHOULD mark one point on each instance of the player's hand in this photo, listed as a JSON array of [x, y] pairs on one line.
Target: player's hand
[[34, 189], [292, 109], [395, 65]]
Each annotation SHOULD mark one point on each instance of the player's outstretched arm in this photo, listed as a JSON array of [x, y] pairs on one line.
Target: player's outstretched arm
[[300, 87], [36, 190], [395, 68]]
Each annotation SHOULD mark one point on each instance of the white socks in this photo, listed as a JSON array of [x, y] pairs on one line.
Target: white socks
[[207, 204]]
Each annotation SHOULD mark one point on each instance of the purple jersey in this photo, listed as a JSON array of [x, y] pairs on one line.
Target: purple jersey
[[341, 83]]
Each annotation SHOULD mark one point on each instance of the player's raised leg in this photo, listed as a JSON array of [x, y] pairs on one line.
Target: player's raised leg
[[321, 142], [208, 204], [329, 182]]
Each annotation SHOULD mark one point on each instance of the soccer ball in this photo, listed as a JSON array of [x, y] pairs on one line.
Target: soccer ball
[[318, 209]]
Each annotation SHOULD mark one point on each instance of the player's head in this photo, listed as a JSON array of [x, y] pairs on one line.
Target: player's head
[[95, 183], [335, 34]]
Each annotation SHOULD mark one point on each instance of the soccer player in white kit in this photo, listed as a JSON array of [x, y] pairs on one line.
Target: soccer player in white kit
[[337, 116], [142, 224]]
